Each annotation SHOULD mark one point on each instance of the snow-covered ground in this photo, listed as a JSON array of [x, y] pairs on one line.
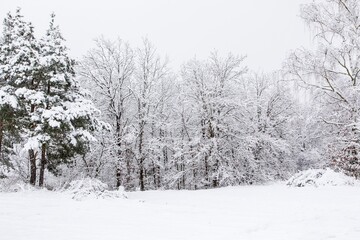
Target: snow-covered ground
[[250, 212]]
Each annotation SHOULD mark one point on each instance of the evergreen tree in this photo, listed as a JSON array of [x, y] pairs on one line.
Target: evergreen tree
[[65, 118], [40, 99], [19, 71]]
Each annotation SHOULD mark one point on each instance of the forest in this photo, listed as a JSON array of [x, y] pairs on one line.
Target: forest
[[123, 116]]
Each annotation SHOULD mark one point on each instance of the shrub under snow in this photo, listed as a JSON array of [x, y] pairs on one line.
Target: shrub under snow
[[14, 184], [91, 188], [321, 177], [11, 181]]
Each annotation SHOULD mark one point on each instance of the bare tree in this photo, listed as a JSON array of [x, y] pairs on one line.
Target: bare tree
[[332, 71], [212, 89], [151, 72], [109, 68]]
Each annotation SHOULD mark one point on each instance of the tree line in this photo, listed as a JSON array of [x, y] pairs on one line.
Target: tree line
[[122, 115]]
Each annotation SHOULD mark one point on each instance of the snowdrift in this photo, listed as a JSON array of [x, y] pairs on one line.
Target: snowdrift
[[321, 177], [89, 188]]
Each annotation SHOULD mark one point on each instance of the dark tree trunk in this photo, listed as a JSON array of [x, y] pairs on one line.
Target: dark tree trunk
[[32, 158], [195, 180], [206, 163], [178, 181], [119, 152], [183, 177], [42, 165], [118, 177], [142, 158], [141, 175], [128, 170], [154, 172]]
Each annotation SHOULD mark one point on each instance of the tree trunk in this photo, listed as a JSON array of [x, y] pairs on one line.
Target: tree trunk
[[118, 177], [141, 175], [42, 165], [154, 172], [128, 170], [195, 180], [32, 158], [118, 152], [206, 163], [142, 158]]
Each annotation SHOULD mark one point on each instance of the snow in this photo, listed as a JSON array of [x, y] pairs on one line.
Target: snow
[[33, 96], [89, 188], [249, 212], [321, 177], [33, 142], [6, 98], [54, 116]]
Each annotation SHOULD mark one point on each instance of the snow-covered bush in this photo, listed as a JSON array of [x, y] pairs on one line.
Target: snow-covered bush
[[15, 185], [12, 182], [321, 177], [88, 188]]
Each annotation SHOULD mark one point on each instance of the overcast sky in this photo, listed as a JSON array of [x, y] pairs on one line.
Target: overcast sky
[[264, 30]]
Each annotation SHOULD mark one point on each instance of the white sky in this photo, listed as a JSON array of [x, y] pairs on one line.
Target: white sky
[[264, 30]]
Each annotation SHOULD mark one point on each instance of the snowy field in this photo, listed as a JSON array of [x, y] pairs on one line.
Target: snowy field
[[250, 212]]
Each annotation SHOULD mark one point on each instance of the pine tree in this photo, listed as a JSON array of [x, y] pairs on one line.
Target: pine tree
[[65, 119], [40, 99], [19, 65], [8, 107]]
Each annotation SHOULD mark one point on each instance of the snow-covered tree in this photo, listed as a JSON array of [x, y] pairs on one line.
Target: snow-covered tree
[[19, 73], [215, 129], [64, 119], [270, 110], [332, 71], [41, 100], [108, 69], [151, 72]]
